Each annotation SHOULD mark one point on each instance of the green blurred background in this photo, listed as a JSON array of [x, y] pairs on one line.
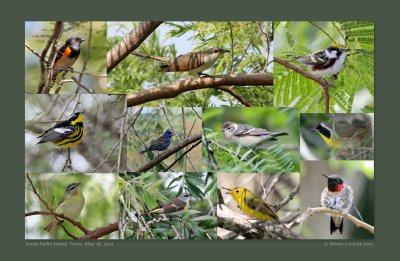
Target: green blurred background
[[101, 203], [275, 156]]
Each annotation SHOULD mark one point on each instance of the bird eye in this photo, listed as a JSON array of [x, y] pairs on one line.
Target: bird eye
[[216, 51], [237, 191]]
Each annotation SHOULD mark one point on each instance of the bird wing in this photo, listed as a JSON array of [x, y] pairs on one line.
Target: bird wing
[[58, 125], [259, 204], [160, 141], [318, 58], [244, 130], [173, 205], [57, 133], [60, 53]]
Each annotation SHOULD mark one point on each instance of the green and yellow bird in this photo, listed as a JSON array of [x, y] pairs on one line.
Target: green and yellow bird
[[65, 134], [252, 205], [343, 135], [70, 205]]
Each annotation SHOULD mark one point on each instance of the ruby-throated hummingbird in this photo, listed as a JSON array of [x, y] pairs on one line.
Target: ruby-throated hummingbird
[[339, 196]]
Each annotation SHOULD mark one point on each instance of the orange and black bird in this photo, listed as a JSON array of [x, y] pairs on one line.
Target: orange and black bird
[[66, 56]]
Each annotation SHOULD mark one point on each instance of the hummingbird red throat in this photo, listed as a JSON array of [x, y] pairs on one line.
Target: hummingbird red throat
[[339, 196]]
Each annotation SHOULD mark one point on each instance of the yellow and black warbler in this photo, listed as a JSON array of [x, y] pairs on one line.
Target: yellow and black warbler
[[65, 134], [344, 134]]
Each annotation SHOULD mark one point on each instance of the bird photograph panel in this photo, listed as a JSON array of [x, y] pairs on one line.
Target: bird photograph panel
[[74, 133], [259, 140], [191, 63], [164, 139], [337, 199], [324, 66], [71, 206], [168, 205], [258, 206], [341, 136], [65, 57]]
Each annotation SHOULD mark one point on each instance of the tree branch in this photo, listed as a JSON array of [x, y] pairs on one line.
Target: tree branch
[[311, 211], [61, 216], [183, 154], [169, 152], [235, 95], [44, 83], [241, 224], [324, 84], [101, 231], [174, 89], [129, 43]]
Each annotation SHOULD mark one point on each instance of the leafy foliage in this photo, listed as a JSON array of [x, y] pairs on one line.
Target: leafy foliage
[[141, 193], [245, 40], [272, 157]]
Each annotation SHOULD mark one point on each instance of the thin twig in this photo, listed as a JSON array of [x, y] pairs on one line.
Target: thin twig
[[183, 154], [322, 30], [116, 144], [79, 83]]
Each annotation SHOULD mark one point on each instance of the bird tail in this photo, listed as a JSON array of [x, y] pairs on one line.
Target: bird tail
[[50, 226], [155, 58], [334, 226], [283, 133]]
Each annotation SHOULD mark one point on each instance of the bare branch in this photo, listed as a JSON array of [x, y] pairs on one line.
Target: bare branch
[[61, 216], [101, 231], [311, 211], [169, 152], [236, 95], [130, 42], [44, 83], [174, 89]]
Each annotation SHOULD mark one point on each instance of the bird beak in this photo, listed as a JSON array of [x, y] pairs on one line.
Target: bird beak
[[83, 111], [229, 190], [82, 40], [225, 51], [345, 49], [325, 175]]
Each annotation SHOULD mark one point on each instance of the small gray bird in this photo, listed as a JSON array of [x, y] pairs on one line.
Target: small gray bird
[[189, 62], [173, 205], [248, 135], [338, 195]]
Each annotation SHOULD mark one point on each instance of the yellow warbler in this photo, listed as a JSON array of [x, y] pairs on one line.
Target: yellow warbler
[[252, 205]]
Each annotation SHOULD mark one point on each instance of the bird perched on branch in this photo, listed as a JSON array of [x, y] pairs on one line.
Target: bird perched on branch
[[65, 134], [248, 135], [70, 205], [255, 206], [161, 143], [66, 56], [339, 196], [189, 62], [344, 134], [327, 62], [172, 206]]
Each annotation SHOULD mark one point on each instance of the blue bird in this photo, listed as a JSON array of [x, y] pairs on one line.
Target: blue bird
[[161, 143]]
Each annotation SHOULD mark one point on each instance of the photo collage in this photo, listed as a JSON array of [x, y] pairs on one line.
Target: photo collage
[[182, 130]]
